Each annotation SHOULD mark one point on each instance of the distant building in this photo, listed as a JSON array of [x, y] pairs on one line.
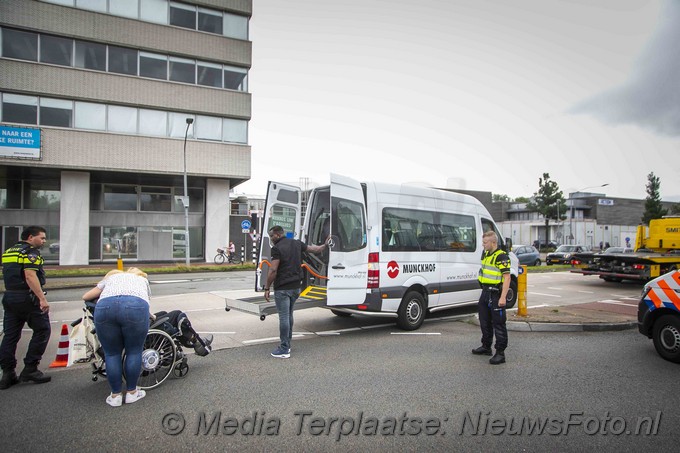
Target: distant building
[[94, 101]]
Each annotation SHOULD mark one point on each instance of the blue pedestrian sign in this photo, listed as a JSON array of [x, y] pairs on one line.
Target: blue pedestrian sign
[[245, 225], [520, 270]]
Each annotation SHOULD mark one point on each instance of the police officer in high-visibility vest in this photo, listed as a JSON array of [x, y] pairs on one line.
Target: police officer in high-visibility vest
[[24, 303], [494, 277]]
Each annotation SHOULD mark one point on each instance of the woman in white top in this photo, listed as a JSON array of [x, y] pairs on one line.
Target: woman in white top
[[121, 318]]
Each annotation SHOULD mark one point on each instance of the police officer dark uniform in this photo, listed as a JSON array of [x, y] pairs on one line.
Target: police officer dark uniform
[[494, 277], [24, 303]]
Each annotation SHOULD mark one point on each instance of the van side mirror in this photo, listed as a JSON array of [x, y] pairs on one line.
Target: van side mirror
[[508, 245]]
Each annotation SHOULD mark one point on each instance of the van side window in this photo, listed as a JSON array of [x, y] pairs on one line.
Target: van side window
[[412, 230], [488, 225], [459, 232], [348, 225]]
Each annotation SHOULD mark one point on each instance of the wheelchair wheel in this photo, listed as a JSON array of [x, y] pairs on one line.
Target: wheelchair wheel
[[158, 359]]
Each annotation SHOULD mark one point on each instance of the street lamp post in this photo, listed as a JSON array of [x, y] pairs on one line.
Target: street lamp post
[[185, 199], [571, 219]]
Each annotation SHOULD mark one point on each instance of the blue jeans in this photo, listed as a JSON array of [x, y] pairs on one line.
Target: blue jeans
[[122, 323], [285, 299]]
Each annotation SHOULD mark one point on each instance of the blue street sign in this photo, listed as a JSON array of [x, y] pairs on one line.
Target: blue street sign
[[245, 225]]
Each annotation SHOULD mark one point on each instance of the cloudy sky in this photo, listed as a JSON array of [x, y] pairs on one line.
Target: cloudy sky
[[474, 94]]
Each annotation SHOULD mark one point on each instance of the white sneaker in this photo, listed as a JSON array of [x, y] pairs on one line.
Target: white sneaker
[[133, 397], [114, 401]]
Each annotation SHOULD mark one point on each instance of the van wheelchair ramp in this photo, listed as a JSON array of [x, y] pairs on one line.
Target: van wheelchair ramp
[[254, 302]]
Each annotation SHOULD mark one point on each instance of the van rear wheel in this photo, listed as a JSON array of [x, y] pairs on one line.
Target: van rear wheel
[[411, 312]]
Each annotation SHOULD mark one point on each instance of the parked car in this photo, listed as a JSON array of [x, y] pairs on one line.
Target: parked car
[[659, 315], [616, 250], [527, 255], [563, 254], [54, 247]]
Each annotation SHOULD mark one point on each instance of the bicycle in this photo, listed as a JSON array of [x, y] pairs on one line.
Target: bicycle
[[223, 256]]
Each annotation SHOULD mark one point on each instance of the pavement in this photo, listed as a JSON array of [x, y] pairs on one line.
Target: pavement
[[598, 316]]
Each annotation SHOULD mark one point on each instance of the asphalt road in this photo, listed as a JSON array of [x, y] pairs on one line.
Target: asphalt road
[[416, 392]]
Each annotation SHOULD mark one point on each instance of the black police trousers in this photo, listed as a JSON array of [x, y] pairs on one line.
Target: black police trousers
[[492, 320], [20, 309]]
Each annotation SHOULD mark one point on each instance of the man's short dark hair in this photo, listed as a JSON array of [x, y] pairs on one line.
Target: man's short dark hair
[[276, 229], [32, 230]]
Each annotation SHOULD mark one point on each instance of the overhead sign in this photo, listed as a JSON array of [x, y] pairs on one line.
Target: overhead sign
[[605, 202], [20, 142]]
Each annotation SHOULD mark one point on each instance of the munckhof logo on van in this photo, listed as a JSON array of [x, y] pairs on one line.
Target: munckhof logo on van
[[392, 269], [418, 268]]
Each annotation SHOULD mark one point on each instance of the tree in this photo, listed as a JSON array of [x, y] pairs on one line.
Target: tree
[[521, 200], [675, 209], [653, 206], [499, 197], [548, 201]]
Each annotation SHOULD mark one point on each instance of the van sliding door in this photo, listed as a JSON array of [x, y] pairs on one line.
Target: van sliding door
[[283, 208], [348, 255]]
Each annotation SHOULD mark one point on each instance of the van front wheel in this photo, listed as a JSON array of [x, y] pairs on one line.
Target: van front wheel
[[411, 312]]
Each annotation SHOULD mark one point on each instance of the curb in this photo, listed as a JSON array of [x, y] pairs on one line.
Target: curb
[[535, 326]]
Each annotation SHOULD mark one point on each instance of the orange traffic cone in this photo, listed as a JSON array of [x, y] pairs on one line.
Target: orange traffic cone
[[62, 352]]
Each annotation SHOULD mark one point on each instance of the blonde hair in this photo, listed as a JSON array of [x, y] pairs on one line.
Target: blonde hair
[[138, 272], [112, 272]]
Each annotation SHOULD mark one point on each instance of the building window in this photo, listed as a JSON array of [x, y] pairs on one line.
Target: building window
[[22, 45], [178, 125], [122, 241], [122, 119], [235, 78], [196, 200], [183, 15], [19, 109], [154, 11], [90, 55], [125, 8], [42, 195], [56, 112], [235, 131], [56, 50], [210, 74], [235, 26], [158, 199], [90, 116], [209, 128], [182, 70], [153, 122], [210, 21], [93, 5], [153, 65], [120, 198], [122, 60]]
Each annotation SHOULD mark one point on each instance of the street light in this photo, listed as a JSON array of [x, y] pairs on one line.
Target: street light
[[185, 199], [571, 219]]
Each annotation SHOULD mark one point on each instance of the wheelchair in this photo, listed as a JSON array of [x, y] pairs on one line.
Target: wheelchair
[[162, 354]]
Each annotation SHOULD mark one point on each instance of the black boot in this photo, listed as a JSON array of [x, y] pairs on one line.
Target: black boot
[[498, 358], [9, 378], [203, 350], [32, 373], [482, 350]]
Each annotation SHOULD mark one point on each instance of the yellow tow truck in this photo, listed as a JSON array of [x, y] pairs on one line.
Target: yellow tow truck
[[657, 251]]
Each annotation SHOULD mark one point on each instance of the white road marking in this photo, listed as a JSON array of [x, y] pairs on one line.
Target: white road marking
[[614, 302], [555, 288], [169, 281], [415, 333], [586, 292], [547, 295]]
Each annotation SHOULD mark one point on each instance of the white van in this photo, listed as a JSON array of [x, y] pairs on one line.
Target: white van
[[396, 251]]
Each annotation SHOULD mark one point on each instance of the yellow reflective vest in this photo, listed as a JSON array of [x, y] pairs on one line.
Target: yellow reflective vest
[[491, 273]]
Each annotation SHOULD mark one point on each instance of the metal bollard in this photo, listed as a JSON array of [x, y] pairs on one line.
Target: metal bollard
[[522, 291], [254, 253]]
